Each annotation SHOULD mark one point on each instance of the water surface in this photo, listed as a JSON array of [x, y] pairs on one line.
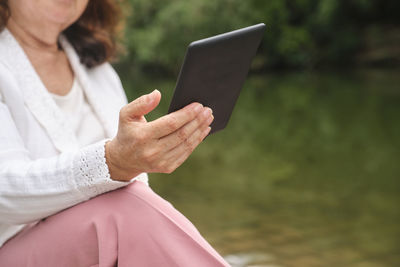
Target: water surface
[[306, 174]]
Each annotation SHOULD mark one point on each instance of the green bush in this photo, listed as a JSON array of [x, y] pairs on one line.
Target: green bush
[[300, 33]]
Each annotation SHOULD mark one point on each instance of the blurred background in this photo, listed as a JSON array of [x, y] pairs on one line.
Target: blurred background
[[307, 173]]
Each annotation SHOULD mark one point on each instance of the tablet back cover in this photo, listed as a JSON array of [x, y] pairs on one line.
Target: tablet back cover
[[214, 71]]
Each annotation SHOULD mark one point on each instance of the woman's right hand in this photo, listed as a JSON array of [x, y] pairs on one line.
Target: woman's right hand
[[161, 145]]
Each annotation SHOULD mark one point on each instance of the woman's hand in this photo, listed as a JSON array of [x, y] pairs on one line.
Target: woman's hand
[[158, 146]]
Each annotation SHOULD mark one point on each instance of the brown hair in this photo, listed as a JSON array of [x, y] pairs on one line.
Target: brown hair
[[94, 35]]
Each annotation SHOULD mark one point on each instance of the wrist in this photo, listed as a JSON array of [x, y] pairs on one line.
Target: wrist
[[116, 168]]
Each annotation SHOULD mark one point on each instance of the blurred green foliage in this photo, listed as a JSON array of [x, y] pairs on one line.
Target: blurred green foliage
[[300, 34]]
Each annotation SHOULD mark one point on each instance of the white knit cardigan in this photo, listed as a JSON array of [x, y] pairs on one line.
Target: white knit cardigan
[[42, 168]]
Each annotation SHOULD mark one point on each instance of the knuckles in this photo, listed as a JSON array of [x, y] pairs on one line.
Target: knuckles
[[149, 156], [172, 123], [188, 144], [182, 135], [122, 112], [140, 136]]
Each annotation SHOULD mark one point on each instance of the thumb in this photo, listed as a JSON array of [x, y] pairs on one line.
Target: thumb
[[141, 105]]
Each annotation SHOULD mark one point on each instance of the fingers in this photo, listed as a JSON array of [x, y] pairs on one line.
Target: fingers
[[180, 153], [141, 106], [173, 121], [158, 146], [203, 120]]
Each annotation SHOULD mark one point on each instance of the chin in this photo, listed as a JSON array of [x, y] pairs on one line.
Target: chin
[[65, 1], [64, 12], [62, 17]]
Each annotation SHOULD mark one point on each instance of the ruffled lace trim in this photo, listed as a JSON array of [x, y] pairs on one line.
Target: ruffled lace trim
[[91, 173]]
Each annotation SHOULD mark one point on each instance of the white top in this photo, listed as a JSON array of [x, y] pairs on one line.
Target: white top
[[80, 115], [45, 164]]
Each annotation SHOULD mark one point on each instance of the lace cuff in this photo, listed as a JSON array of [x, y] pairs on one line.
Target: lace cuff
[[91, 172]]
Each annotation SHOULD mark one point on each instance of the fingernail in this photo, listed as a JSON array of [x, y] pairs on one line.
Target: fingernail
[[207, 112], [198, 107], [150, 97], [152, 93], [210, 119]]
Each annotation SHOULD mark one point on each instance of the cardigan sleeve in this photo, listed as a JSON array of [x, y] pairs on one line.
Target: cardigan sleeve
[[34, 189]]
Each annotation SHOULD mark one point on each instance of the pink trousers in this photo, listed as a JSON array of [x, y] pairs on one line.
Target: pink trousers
[[131, 226]]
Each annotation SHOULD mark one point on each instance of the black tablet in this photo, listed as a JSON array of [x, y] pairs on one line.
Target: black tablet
[[214, 70]]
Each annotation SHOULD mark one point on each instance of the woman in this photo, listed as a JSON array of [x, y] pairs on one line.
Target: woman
[[61, 147]]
